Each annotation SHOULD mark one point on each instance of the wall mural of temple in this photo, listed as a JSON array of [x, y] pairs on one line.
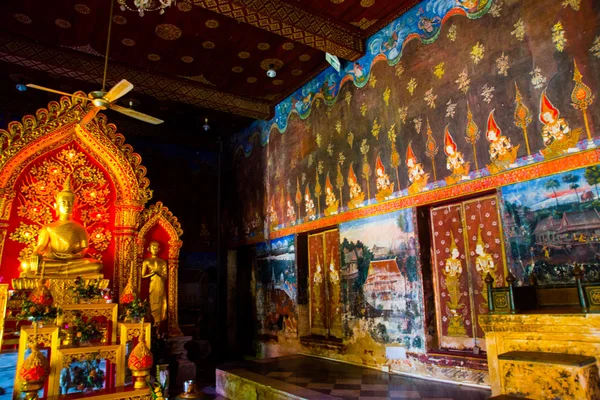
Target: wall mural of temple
[[381, 285], [435, 103], [552, 223], [276, 288]]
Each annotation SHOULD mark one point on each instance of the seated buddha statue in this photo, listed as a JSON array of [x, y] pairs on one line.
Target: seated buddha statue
[[62, 245]]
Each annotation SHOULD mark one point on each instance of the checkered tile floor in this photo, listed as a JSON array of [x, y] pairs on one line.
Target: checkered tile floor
[[353, 382]]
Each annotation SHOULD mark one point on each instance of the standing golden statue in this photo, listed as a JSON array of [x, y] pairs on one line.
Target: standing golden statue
[[155, 268], [62, 245]]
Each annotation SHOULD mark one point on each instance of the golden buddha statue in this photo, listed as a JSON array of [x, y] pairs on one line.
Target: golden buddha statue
[[155, 268], [62, 245]]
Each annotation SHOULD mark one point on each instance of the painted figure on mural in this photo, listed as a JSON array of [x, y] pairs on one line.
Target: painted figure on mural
[[558, 137], [416, 175], [330, 200], [358, 72], [453, 270], [309, 204], [430, 27], [316, 292], [484, 264], [272, 213], [384, 187], [62, 245], [502, 152], [357, 196], [334, 284], [455, 161], [155, 268], [291, 211]]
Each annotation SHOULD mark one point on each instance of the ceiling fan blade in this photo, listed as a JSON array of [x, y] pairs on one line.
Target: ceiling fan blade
[[119, 90], [31, 85], [87, 118], [136, 114]]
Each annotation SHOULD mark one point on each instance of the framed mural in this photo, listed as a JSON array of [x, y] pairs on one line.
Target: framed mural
[[552, 223], [381, 279], [324, 283], [467, 245], [276, 288]]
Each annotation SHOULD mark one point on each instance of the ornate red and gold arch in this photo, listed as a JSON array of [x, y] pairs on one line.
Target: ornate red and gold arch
[[39, 152]]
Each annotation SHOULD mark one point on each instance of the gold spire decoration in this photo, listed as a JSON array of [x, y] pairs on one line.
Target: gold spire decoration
[[298, 197], [35, 370], [339, 180], [472, 133], [366, 168], [395, 156], [432, 149], [318, 191], [140, 360], [522, 116], [581, 97]]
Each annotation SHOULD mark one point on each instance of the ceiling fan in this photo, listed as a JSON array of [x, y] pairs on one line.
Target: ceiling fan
[[103, 99]]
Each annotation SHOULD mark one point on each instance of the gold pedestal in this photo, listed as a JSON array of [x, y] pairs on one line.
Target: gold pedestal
[[31, 389], [59, 287], [140, 377]]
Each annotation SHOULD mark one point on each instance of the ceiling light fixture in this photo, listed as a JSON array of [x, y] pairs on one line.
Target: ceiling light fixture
[[206, 127], [271, 73], [143, 6]]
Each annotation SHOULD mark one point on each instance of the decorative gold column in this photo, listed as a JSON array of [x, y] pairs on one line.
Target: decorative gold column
[[172, 299], [6, 200], [127, 220]]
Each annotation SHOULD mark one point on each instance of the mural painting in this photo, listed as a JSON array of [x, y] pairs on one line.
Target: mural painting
[[276, 288], [552, 223], [381, 284], [435, 102]]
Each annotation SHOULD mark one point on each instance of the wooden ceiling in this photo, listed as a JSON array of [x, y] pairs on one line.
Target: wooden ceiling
[[208, 54]]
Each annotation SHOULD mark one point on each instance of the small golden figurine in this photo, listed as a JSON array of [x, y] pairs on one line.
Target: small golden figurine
[[330, 199], [558, 137], [357, 196], [502, 152], [484, 264], [455, 161], [62, 245], [384, 187], [155, 268], [416, 175]]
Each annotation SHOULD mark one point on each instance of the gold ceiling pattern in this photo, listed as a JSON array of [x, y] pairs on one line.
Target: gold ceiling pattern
[[229, 43], [34, 55], [292, 22]]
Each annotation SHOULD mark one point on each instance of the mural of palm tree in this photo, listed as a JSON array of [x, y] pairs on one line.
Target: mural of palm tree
[[552, 184], [592, 176], [574, 188], [572, 180]]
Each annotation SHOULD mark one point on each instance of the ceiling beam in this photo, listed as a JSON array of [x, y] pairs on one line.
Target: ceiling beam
[[85, 68], [294, 23]]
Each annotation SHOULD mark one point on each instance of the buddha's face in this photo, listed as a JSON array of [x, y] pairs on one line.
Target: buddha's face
[[64, 204], [492, 135], [154, 248], [450, 150], [410, 163]]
